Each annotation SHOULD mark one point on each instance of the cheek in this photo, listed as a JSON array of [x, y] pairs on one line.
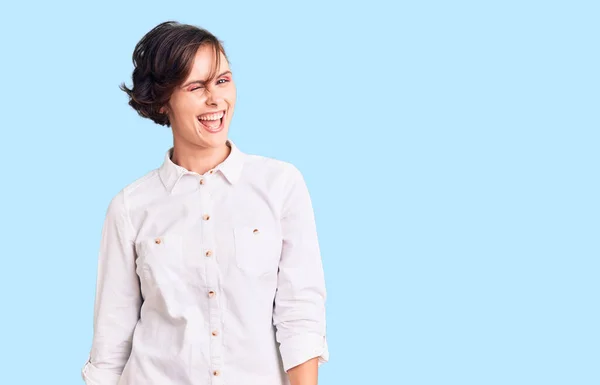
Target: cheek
[[184, 110], [231, 99], [232, 94]]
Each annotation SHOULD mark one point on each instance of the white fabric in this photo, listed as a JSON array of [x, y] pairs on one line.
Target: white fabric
[[154, 317]]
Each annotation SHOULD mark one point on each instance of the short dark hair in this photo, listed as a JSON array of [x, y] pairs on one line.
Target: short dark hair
[[162, 60]]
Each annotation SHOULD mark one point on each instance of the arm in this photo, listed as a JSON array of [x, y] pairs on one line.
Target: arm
[[305, 374], [299, 308], [118, 298]]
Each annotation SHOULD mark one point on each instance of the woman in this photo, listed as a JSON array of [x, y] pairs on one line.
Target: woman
[[209, 269]]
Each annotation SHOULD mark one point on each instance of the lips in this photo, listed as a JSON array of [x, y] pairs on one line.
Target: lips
[[211, 115], [209, 121]]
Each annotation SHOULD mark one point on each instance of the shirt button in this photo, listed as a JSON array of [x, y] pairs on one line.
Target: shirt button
[[208, 253], [216, 373], [211, 293], [201, 181], [157, 241], [211, 171], [215, 333], [206, 217], [255, 231]]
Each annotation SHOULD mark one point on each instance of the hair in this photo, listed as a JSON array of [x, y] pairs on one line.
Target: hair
[[162, 60]]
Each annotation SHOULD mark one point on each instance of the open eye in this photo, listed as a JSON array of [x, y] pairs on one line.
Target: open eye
[[224, 80]]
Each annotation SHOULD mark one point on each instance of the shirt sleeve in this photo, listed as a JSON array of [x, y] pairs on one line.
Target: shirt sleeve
[[299, 308], [118, 298]]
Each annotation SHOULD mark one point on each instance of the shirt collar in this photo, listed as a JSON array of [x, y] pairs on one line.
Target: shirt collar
[[170, 173]]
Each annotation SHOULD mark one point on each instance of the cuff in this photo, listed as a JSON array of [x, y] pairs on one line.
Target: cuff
[[94, 376], [301, 348]]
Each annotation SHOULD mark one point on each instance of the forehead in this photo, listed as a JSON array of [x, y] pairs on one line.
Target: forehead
[[204, 63]]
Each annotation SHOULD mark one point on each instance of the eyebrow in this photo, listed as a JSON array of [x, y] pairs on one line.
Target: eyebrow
[[203, 81]]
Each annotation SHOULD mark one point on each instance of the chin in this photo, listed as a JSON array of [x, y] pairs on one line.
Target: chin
[[215, 139]]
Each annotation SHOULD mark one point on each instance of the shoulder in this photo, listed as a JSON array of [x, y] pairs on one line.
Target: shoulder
[[134, 190], [273, 169]]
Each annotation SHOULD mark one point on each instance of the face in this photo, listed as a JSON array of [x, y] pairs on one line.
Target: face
[[200, 111]]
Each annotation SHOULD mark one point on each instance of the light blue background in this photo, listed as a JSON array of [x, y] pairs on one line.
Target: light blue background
[[451, 151]]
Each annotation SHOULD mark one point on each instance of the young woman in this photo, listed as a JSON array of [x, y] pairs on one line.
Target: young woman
[[209, 269]]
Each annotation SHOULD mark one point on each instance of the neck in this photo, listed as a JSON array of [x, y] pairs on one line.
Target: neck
[[199, 159]]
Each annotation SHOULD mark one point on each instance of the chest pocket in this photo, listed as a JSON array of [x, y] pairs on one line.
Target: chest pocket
[[257, 249], [160, 258]]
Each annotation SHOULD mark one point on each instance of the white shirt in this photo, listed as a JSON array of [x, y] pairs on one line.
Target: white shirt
[[209, 279]]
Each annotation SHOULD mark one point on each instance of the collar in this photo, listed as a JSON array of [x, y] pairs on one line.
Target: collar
[[231, 167]]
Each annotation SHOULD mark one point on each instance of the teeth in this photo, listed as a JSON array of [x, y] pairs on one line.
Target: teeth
[[216, 116]]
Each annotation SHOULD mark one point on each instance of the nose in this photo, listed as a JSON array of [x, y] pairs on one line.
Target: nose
[[213, 97]]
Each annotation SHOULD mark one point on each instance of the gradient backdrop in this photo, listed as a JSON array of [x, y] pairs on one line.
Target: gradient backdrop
[[451, 150]]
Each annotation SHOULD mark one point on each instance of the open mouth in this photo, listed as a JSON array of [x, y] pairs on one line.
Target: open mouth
[[212, 122]]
